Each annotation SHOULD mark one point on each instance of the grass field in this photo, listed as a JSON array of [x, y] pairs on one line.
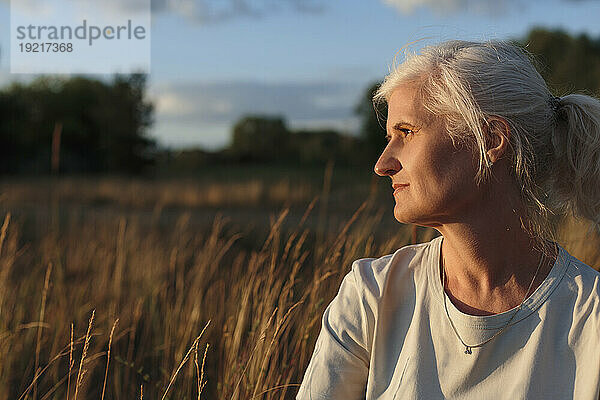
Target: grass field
[[127, 288]]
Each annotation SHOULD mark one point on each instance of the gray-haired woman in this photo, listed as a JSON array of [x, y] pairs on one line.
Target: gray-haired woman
[[480, 150]]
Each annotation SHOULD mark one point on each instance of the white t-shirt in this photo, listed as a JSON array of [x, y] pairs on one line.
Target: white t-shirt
[[386, 335]]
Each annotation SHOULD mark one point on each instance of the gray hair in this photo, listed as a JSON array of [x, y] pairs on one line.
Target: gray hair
[[555, 141]]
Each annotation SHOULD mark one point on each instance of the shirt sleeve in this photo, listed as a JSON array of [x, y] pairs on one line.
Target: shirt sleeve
[[339, 365]]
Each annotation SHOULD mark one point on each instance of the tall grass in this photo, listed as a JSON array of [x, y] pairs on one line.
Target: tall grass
[[202, 313]]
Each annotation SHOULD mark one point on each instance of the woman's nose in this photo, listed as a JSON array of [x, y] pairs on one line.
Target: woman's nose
[[387, 165]]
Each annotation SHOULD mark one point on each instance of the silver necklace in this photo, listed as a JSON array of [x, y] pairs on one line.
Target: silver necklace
[[468, 347]]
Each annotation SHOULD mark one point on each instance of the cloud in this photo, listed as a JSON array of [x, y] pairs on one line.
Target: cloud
[[170, 104], [34, 7], [446, 6], [225, 102], [7, 78], [4, 79], [211, 11], [200, 11], [186, 112], [409, 6]]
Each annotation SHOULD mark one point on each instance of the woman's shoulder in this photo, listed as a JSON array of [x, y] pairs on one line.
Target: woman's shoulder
[[582, 279], [574, 289], [408, 263]]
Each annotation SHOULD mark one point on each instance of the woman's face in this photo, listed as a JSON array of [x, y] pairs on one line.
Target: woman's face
[[433, 181]]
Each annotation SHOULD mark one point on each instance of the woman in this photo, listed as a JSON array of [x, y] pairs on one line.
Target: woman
[[479, 150]]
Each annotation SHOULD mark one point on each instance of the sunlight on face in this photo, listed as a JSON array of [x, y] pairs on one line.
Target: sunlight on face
[[433, 181]]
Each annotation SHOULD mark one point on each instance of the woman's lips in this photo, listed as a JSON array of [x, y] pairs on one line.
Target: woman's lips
[[399, 187]]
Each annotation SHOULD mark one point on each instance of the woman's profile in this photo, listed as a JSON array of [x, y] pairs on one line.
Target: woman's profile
[[480, 150]]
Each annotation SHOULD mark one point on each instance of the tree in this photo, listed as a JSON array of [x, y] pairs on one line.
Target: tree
[[104, 125], [567, 63], [372, 125], [260, 138], [320, 146]]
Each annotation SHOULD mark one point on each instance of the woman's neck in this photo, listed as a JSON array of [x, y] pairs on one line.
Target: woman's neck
[[490, 261]]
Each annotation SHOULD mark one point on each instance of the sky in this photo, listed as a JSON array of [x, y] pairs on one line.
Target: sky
[[310, 61]]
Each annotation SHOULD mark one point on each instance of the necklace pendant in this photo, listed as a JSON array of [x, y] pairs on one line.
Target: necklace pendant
[[468, 350]]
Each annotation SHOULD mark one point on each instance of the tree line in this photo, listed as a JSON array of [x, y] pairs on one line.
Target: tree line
[[83, 125]]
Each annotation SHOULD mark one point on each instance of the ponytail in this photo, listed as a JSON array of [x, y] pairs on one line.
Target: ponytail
[[576, 143]]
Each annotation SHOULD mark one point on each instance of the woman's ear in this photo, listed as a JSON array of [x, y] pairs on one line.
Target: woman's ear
[[498, 136]]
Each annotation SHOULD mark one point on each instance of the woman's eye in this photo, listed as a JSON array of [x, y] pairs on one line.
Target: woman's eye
[[402, 132]]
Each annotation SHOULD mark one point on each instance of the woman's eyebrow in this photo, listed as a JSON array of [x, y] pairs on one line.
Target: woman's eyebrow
[[403, 124]]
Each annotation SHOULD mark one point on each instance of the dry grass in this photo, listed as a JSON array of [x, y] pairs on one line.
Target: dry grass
[[64, 285], [179, 193]]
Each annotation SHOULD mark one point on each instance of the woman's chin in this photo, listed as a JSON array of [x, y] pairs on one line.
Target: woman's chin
[[403, 216], [411, 216]]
